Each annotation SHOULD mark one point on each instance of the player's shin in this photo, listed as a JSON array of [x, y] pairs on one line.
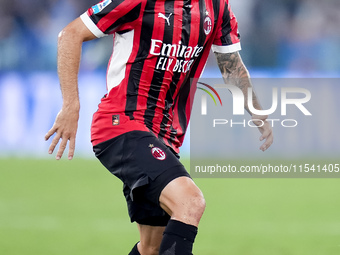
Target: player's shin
[[178, 238]]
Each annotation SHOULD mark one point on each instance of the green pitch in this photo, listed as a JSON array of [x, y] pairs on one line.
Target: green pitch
[[77, 207]]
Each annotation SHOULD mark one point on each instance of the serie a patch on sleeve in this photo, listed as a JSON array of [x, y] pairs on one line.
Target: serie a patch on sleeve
[[100, 6]]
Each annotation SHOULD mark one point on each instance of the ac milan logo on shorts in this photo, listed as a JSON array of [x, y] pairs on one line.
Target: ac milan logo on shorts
[[158, 153], [207, 25]]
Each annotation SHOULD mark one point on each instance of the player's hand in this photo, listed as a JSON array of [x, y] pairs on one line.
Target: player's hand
[[265, 130], [65, 127]]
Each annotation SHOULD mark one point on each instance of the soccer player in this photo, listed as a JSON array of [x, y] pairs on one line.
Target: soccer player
[[160, 50]]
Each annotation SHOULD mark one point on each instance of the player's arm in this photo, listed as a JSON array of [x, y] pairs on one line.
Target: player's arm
[[235, 73], [70, 42]]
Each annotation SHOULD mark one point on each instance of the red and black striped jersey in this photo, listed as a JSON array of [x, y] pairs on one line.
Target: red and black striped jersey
[[160, 48]]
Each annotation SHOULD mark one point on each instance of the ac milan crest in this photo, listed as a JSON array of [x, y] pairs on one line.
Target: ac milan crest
[[207, 25], [158, 153]]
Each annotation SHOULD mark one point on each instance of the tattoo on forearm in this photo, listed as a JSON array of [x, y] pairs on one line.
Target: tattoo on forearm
[[231, 66], [235, 73]]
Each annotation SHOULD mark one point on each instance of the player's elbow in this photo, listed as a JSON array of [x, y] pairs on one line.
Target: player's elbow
[[76, 31], [69, 33]]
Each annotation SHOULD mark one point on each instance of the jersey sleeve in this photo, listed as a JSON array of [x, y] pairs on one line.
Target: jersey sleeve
[[110, 16], [227, 39]]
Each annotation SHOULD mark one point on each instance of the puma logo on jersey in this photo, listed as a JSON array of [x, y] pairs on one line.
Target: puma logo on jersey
[[161, 15]]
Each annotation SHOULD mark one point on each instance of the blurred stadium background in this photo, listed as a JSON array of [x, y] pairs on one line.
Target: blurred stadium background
[[49, 207]]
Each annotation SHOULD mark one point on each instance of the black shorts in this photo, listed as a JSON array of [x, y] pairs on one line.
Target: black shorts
[[145, 165]]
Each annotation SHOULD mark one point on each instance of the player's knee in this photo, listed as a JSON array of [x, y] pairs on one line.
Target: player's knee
[[183, 200], [190, 209], [197, 205]]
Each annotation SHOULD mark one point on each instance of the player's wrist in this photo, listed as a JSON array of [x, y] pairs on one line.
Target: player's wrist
[[73, 106], [259, 117], [259, 120]]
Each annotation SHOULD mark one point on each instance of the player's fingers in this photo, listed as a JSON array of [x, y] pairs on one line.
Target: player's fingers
[[71, 147], [265, 134], [54, 143], [62, 148], [268, 142], [265, 130], [50, 133]]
